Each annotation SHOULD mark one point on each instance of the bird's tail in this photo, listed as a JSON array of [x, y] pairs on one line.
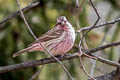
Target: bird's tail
[[21, 51]]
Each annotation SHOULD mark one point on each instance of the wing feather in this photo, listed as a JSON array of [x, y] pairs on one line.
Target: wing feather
[[52, 34]]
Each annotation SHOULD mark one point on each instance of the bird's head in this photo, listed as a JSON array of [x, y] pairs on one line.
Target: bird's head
[[61, 20], [63, 24]]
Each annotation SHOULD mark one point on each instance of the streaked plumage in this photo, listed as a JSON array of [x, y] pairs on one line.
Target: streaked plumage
[[58, 40]]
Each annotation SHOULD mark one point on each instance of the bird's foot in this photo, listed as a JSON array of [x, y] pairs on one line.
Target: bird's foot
[[59, 56]]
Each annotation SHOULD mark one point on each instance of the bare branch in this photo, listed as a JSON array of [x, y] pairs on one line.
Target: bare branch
[[97, 54], [34, 63], [114, 75], [83, 68], [98, 18], [100, 25], [102, 47], [27, 8], [36, 73], [80, 42], [33, 5]]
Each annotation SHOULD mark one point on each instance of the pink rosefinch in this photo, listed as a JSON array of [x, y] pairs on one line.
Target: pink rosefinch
[[57, 41]]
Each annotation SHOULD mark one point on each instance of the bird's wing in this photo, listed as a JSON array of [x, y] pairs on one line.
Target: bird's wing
[[52, 34]]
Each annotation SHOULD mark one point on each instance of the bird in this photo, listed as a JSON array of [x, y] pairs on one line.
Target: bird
[[58, 41]]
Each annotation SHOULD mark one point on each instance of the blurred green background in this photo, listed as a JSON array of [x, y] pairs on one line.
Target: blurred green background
[[15, 36]]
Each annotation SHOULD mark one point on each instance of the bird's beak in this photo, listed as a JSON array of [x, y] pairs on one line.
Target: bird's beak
[[62, 22]]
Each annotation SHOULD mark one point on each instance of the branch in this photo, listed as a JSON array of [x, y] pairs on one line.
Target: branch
[[100, 25], [36, 73], [27, 8], [80, 42], [97, 54], [33, 5], [108, 76], [114, 75], [34, 63]]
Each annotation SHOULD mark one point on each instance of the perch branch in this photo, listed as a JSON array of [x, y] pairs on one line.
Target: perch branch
[[34, 63]]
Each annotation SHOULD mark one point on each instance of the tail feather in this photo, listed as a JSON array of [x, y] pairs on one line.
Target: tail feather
[[21, 51]]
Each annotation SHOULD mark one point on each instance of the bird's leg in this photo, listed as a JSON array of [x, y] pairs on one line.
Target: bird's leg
[[60, 56]]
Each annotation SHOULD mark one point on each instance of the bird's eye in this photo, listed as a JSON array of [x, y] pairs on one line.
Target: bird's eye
[[65, 21]]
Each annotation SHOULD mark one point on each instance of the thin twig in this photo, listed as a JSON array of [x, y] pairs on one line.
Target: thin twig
[[98, 18], [64, 68], [78, 26], [32, 5], [114, 75], [97, 54], [102, 47], [36, 73], [27, 8], [100, 25], [83, 68], [93, 65], [34, 63], [80, 43]]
